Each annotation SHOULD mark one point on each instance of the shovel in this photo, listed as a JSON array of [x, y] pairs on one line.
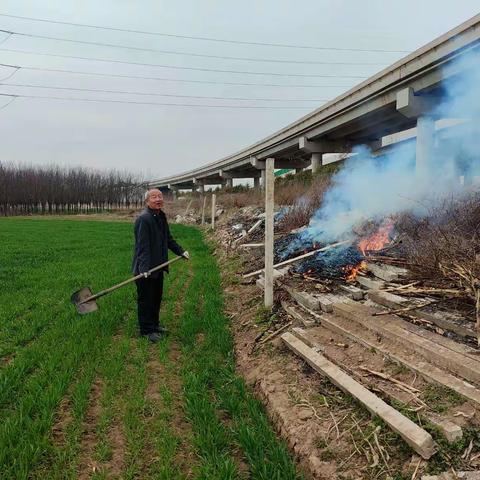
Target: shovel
[[85, 301]]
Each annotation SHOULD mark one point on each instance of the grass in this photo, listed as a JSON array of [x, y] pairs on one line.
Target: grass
[[84, 392]]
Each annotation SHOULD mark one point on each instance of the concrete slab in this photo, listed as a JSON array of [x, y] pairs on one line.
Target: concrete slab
[[304, 298], [302, 335], [420, 440], [388, 273], [431, 373], [434, 348], [293, 312], [352, 292], [388, 299], [369, 283]]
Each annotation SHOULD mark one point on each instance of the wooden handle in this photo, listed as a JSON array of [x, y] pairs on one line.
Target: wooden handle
[[130, 280]]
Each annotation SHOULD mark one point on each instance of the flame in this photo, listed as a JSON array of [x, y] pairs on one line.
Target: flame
[[352, 271], [376, 241]]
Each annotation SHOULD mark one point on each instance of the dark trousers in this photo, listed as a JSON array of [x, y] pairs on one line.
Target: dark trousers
[[149, 299]]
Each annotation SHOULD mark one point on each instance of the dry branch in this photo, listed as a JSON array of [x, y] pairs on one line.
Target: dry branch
[[301, 257]]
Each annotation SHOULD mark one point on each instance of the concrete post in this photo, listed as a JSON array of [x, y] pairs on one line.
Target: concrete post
[[262, 183], [203, 208], [425, 146], [214, 209], [269, 199], [229, 183], [201, 188], [256, 182], [316, 162]]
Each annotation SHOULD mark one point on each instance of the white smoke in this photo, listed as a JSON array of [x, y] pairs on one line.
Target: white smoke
[[372, 188]]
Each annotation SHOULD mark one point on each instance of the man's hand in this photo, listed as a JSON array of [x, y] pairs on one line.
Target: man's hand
[[146, 274], [186, 255]]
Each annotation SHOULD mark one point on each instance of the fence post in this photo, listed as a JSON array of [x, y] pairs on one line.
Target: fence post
[[269, 200]]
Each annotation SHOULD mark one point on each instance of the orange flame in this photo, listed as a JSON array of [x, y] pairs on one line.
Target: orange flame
[[352, 271], [376, 241]]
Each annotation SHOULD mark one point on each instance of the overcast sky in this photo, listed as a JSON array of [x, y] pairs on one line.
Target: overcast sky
[[155, 140]]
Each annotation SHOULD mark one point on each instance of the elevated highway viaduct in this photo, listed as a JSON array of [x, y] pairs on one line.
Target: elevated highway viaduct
[[400, 97]]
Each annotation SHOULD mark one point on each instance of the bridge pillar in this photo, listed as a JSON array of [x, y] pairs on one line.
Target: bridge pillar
[[316, 162], [229, 183], [256, 182], [425, 146], [421, 108], [262, 181], [318, 148]]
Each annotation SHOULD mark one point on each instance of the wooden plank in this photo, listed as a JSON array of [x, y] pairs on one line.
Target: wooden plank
[[420, 440]]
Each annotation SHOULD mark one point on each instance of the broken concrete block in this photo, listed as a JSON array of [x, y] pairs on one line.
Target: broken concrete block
[[352, 292], [388, 299], [451, 431], [369, 283], [304, 298], [389, 273]]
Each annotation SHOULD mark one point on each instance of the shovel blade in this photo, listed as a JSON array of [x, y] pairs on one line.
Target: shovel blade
[[78, 299]]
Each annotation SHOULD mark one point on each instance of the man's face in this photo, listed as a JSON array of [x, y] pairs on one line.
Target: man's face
[[155, 200]]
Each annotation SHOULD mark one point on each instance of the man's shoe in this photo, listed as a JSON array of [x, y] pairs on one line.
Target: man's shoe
[[163, 331], [154, 337]]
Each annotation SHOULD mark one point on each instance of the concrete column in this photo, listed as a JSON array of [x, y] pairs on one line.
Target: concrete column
[[229, 183], [214, 209], [201, 188], [269, 199], [256, 182], [262, 179], [425, 146], [203, 208], [316, 162]]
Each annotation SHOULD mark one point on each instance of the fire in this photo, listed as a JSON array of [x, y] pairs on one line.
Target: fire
[[377, 241], [374, 242], [352, 271]]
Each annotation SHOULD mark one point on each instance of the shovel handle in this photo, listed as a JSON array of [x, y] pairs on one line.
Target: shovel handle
[[130, 280]]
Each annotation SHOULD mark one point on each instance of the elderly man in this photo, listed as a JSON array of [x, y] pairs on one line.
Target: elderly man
[[152, 241]]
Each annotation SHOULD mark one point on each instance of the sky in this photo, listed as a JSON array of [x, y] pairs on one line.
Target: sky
[[154, 141]]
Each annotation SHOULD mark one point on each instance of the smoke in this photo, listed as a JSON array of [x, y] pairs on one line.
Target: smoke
[[372, 188]]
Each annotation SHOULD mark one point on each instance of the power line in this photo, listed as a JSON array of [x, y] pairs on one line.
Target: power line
[[186, 54], [131, 102], [80, 72], [209, 39], [174, 67], [124, 92]]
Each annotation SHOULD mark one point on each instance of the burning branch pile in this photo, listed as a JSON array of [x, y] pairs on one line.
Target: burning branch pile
[[443, 248]]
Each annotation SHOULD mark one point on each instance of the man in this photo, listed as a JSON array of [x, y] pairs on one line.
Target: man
[[152, 241]]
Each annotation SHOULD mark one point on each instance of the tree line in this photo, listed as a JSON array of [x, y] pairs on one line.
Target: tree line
[[28, 190]]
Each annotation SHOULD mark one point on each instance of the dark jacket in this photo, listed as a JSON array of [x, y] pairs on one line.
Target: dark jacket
[[152, 241]]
